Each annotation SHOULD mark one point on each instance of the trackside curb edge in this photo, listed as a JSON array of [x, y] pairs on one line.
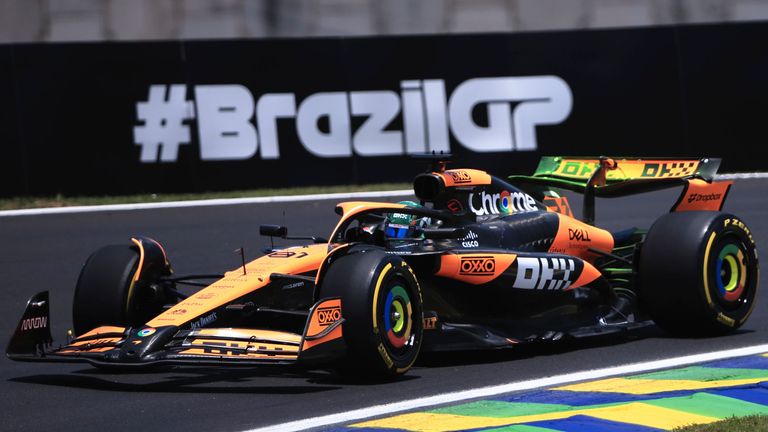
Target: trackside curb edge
[[491, 391]]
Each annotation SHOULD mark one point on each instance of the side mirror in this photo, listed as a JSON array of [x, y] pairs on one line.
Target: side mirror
[[273, 230]]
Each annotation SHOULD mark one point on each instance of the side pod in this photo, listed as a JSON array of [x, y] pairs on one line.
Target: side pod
[[33, 334]]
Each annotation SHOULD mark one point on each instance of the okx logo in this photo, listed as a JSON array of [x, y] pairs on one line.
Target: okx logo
[[482, 114]]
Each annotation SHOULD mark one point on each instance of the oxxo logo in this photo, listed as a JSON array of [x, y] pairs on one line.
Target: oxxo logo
[[233, 125], [477, 266], [328, 316], [501, 203]]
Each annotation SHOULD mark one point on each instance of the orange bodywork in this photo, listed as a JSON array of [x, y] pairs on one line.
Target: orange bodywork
[[79, 351], [235, 284], [475, 269], [240, 349], [325, 315], [574, 237], [588, 275], [700, 195], [91, 346], [260, 335], [102, 330], [558, 205], [465, 177], [102, 341]]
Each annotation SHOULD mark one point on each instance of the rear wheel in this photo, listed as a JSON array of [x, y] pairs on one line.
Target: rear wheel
[[698, 273], [107, 292], [382, 308]]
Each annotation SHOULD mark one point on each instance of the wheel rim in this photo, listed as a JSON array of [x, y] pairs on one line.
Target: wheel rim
[[397, 315], [730, 274]]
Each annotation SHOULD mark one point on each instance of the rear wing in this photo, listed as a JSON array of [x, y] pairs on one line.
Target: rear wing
[[614, 177], [623, 176]]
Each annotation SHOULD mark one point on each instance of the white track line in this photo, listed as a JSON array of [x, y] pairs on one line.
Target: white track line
[[205, 203], [445, 398], [261, 200], [742, 176]]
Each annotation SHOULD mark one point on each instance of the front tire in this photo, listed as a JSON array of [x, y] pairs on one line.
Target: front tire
[[698, 273], [107, 292], [382, 307]]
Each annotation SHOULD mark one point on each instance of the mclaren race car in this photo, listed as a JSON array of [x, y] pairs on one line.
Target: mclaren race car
[[480, 263]]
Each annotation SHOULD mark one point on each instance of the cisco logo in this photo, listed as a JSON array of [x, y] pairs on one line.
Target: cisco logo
[[470, 240]]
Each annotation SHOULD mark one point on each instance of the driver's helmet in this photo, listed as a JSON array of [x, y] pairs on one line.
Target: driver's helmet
[[403, 225]]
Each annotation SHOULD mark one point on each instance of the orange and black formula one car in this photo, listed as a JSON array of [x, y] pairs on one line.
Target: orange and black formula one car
[[480, 263]]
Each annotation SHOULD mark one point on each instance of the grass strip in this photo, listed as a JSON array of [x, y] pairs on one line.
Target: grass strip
[[67, 201], [752, 423]]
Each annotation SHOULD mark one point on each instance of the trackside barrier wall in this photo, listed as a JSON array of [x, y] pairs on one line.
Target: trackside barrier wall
[[97, 118]]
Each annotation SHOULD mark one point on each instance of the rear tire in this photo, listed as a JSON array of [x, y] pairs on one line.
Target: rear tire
[[698, 273], [382, 307], [106, 293]]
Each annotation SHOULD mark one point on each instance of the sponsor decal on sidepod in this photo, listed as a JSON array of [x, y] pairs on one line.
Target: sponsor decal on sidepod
[[484, 203]]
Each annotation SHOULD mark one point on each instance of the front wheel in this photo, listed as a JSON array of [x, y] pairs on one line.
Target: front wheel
[[382, 307], [114, 286], [698, 273]]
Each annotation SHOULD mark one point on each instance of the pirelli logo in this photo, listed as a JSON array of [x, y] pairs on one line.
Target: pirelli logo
[[328, 315], [477, 266]]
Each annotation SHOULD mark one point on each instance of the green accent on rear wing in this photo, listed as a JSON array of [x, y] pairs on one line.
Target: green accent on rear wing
[[632, 175]]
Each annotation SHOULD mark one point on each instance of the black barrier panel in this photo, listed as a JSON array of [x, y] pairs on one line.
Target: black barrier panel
[[116, 118], [12, 159], [77, 115], [725, 84]]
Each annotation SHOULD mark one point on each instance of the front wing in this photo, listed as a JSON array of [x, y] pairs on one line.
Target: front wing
[[321, 341]]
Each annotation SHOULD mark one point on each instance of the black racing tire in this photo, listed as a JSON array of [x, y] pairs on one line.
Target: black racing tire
[[106, 294], [382, 307], [698, 273]]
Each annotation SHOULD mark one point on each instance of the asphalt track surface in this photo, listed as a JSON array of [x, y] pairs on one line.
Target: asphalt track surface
[[46, 252]]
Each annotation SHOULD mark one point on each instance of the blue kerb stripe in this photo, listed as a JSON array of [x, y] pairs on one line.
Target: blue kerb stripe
[[351, 429], [582, 423], [758, 395], [751, 362], [586, 398]]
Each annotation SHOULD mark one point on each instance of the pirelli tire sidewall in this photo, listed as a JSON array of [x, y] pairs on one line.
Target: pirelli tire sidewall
[[698, 273], [382, 307]]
